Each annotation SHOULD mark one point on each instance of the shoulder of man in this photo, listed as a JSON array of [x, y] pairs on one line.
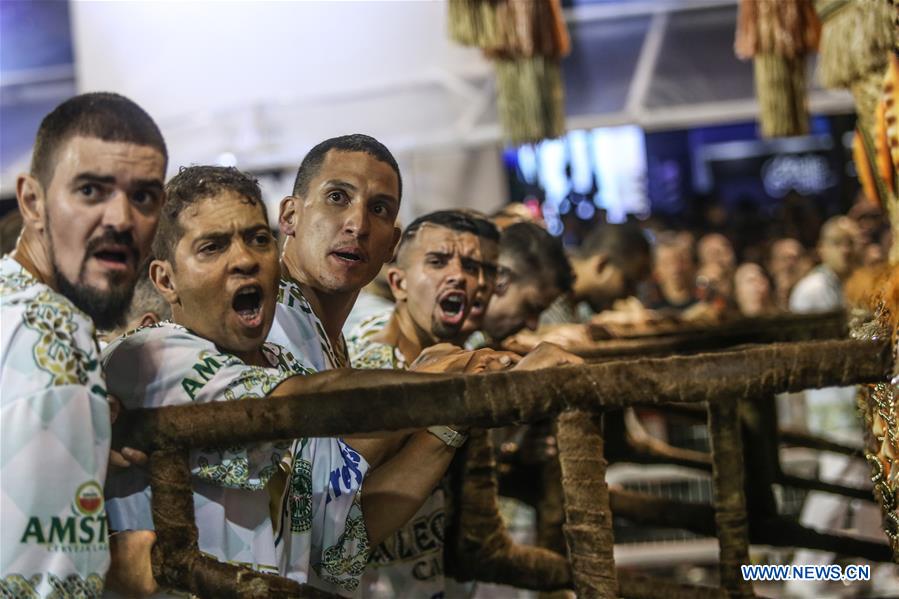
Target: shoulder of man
[[163, 364], [815, 292], [46, 341], [364, 351]]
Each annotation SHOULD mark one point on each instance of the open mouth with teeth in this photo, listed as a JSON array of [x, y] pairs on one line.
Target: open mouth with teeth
[[247, 303], [113, 258], [452, 308]]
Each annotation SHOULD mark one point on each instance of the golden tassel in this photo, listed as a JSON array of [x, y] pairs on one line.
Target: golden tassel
[[525, 39], [778, 36]]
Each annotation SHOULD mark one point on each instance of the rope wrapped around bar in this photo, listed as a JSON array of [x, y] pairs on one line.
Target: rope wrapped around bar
[[407, 400]]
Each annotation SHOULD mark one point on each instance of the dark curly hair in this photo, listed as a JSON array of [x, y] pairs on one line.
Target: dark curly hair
[[189, 186]]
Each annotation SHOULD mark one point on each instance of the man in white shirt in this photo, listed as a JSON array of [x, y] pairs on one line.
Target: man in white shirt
[[436, 276], [90, 205]]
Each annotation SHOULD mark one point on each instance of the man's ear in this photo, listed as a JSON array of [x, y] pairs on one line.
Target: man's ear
[[601, 261], [161, 275], [32, 202], [503, 280], [396, 278], [287, 217], [149, 318]]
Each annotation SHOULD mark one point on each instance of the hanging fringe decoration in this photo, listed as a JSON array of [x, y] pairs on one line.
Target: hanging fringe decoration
[[530, 98], [778, 35], [855, 44], [525, 39], [855, 40]]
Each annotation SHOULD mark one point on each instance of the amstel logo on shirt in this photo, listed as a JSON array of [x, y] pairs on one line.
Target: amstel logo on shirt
[[84, 530]]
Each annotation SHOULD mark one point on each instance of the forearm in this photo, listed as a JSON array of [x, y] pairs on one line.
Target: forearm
[[393, 493], [377, 448], [130, 572]]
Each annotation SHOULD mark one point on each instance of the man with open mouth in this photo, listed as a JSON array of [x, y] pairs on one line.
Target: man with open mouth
[[90, 206], [217, 267], [437, 273], [340, 229]]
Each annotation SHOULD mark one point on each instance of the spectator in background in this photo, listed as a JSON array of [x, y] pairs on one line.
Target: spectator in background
[[822, 289], [674, 275], [752, 291], [533, 272], [871, 223], [715, 248], [609, 265], [788, 262]]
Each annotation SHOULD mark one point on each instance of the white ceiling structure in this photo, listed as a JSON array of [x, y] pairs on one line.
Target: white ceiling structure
[[258, 83]]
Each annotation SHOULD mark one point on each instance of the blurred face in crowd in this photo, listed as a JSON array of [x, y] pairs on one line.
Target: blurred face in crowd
[[714, 248], [600, 281], [96, 220], [436, 279], [717, 278], [674, 267], [346, 220], [786, 262], [223, 279], [838, 246], [518, 302], [752, 290], [485, 289]]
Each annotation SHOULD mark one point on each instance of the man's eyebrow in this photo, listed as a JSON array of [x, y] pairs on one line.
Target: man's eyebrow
[[254, 229], [89, 177], [340, 184], [438, 254], [94, 178]]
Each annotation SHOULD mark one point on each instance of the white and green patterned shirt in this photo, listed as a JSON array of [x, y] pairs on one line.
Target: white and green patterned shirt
[[326, 468], [55, 436], [297, 328], [410, 562], [168, 365]]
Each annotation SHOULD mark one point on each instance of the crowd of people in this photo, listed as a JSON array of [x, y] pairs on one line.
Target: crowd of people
[[124, 291]]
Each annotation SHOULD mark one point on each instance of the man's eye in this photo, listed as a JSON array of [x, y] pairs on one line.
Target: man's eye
[[88, 189], [208, 248], [337, 196], [379, 210], [262, 239], [143, 197]]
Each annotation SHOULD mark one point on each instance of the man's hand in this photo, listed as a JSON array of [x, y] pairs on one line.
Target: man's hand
[[128, 456], [130, 570], [547, 355], [446, 358]]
